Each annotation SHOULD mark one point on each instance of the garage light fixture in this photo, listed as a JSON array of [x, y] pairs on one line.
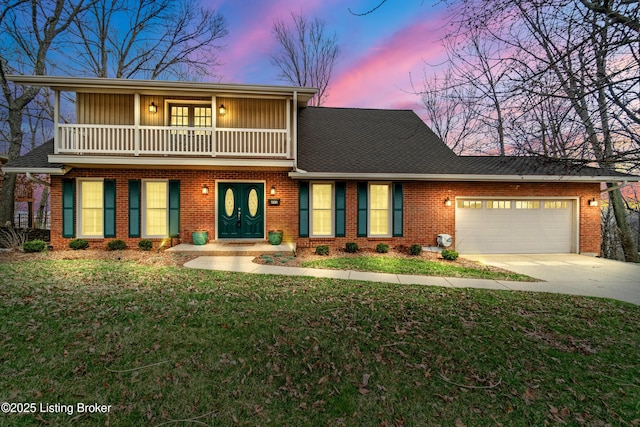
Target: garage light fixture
[[447, 202], [593, 202]]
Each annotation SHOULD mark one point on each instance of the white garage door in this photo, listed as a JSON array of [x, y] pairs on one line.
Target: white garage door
[[514, 226]]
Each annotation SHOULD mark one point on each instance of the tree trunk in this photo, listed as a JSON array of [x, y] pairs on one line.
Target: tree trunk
[[626, 237]]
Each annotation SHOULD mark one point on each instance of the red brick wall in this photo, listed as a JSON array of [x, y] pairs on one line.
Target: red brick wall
[[197, 211], [425, 215]]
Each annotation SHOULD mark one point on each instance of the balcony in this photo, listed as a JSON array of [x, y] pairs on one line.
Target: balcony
[[134, 141]]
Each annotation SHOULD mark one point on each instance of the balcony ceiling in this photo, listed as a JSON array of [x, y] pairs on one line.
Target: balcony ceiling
[[162, 87]]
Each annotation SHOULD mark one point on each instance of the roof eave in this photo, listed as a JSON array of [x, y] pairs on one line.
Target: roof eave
[[92, 84], [456, 177]]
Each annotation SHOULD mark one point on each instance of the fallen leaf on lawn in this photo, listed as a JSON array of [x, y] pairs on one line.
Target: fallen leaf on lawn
[[459, 423], [363, 391], [365, 379]]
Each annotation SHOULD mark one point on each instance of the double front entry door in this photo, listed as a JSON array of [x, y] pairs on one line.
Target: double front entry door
[[240, 210]]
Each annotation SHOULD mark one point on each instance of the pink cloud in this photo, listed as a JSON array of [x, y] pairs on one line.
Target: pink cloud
[[250, 42], [381, 77]]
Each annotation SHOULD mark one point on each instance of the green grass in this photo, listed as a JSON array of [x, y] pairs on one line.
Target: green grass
[[417, 266], [162, 344]]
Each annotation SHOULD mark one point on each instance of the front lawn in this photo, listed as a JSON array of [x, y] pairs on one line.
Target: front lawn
[[418, 266], [162, 344]]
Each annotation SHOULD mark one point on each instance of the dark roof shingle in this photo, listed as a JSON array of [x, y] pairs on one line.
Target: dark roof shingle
[[36, 158]]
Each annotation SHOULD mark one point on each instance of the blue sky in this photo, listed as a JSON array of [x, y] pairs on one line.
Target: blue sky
[[381, 51]]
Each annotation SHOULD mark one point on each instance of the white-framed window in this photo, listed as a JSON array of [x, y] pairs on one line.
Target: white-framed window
[[555, 204], [90, 196], [155, 208], [469, 204], [527, 204], [498, 204], [380, 214], [185, 113], [322, 209]]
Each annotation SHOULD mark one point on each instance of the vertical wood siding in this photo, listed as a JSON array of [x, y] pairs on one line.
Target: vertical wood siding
[[104, 108]]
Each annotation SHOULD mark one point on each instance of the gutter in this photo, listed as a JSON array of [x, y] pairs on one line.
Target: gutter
[[298, 174]]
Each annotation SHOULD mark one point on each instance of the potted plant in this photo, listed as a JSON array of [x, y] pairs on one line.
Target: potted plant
[[275, 237], [200, 237]]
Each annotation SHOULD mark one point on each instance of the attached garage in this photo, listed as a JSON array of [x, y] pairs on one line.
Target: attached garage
[[505, 225]]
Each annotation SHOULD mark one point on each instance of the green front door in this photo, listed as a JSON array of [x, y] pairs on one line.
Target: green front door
[[240, 210]]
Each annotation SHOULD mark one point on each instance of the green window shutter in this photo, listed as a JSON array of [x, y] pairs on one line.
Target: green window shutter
[[109, 194], [134, 208], [174, 208], [68, 207], [397, 209], [340, 206], [362, 208], [303, 194]]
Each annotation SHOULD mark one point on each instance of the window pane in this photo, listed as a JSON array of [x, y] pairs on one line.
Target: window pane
[[555, 204], [156, 208], [179, 116], [202, 117], [379, 222], [498, 204], [321, 222], [470, 204], [91, 210], [527, 204], [379, 195], [321, 196]]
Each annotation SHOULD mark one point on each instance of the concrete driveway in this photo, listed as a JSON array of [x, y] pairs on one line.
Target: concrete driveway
[[572, 274]]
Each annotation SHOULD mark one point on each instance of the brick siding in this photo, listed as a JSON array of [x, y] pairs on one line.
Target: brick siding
[[425, 215]]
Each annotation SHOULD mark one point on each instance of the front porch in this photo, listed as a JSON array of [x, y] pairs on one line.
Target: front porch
[[234, 249]]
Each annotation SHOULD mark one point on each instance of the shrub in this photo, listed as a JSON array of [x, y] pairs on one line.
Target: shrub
[[351, 247], [145, 244], [76, 244], [415, 249], [116, 245], [450, 254], [34, 246], [382, 248], [322, 250]]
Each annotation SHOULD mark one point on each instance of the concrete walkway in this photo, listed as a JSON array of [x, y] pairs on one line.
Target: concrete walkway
[[616, 280]]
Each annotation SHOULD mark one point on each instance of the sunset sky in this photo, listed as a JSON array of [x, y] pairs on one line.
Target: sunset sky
[[381, 51]]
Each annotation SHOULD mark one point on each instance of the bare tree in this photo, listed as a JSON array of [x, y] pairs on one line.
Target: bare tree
[[161, 38], [306, 54], [29, 29]]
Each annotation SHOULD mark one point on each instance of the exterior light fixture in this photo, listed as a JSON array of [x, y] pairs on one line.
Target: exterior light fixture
[[447, 202], [153, 108], [205, 189], [222, 110], [273, 190], [593, 202]]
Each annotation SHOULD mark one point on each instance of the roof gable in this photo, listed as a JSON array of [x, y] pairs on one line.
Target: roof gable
[[364, 141]]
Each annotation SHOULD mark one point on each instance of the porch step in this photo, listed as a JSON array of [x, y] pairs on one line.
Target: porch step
[[234, 249]]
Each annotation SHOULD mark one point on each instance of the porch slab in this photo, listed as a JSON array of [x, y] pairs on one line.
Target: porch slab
[[234, 248]]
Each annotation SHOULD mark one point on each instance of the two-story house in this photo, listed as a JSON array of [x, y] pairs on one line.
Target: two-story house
[[156, 159]]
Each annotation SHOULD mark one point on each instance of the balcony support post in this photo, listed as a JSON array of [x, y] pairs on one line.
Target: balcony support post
[[56, 120], [214, 125], [136, 124]]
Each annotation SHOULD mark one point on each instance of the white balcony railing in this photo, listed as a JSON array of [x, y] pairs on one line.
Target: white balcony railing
[[175, 141]]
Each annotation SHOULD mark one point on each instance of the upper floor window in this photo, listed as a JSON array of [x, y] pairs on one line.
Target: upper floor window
[[190, 115]]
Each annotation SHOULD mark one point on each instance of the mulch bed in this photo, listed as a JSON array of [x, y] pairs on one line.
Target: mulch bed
[[161, 258]]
